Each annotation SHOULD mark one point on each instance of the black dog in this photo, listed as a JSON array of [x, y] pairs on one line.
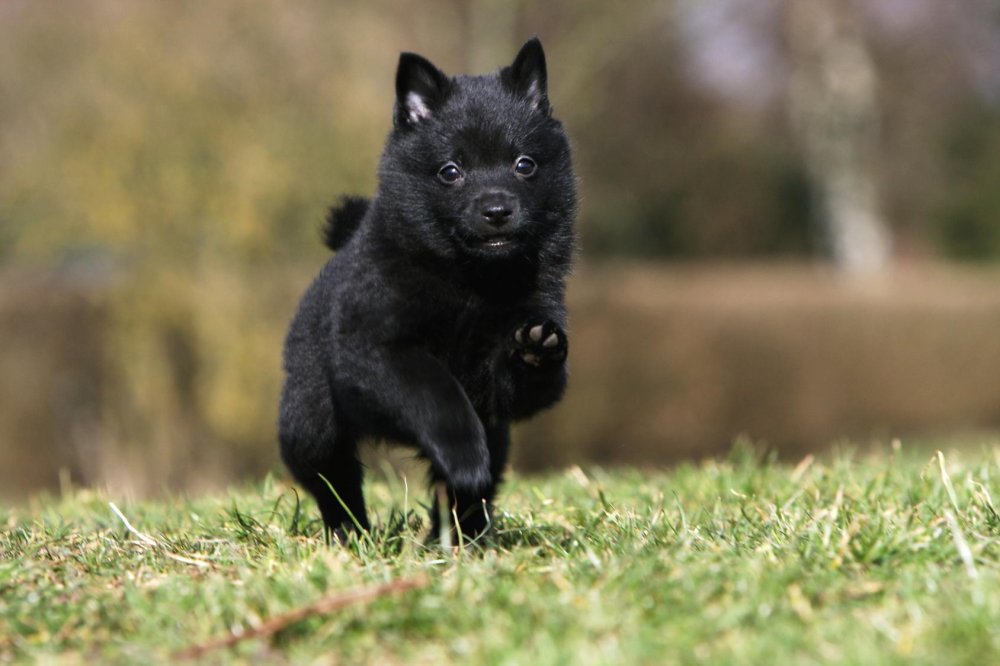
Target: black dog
[[441, 318]]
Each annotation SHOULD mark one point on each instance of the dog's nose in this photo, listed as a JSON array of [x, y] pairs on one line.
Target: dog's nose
[[496, 213]]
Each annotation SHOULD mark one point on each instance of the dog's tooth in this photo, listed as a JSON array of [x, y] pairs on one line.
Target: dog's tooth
[[536, 333], [530, 359], [519, 336], [551, 341]]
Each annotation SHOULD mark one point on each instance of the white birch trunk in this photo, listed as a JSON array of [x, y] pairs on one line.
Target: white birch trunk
[[834, 111]]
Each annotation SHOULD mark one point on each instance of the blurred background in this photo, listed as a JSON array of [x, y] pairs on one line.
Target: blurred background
[[790, 220]]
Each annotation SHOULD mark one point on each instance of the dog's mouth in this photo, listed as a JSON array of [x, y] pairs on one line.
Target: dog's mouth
[[492, 246], [497, 243]]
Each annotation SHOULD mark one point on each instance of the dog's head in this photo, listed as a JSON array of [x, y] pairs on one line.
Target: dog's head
[[476, 166]]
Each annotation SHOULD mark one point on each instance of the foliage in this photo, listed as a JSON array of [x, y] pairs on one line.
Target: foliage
[[169, 134], [884, 559], [968, 225], [173, 136]]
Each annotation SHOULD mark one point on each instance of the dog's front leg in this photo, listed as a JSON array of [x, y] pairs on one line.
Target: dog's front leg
[[410, 395]]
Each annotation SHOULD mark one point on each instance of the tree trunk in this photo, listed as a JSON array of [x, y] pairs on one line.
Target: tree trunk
[[834, 111]]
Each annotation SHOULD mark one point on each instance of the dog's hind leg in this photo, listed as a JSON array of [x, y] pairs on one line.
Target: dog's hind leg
[[322, 459], [337, 486]]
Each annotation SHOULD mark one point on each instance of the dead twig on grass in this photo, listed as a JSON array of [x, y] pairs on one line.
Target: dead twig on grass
[[321, 607]]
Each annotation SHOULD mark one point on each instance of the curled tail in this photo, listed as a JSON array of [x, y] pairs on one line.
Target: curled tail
[[343, 220]]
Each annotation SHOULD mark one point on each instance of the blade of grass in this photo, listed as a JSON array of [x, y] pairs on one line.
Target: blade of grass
[[962, 546], [946, 480], [444, 522], [150, 541], [362, 533]]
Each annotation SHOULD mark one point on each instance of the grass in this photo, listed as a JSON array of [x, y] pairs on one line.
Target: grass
[[887, 558]]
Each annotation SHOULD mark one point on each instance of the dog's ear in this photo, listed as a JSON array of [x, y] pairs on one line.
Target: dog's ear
[[527, 77], [420, 89]]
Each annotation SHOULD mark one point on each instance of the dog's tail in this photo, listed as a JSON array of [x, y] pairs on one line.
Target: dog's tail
[[343, 220]]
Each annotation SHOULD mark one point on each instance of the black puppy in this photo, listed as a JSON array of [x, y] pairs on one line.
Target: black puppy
[[441, 317]]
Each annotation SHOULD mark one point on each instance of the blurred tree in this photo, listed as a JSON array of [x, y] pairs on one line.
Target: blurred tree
[[835, 114], [668, 167]]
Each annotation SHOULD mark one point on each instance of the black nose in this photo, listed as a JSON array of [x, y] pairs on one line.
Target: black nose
[[496, 213]]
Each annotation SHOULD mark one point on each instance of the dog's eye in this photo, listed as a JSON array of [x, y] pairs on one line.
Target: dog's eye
[[450, 174], [525, 167]]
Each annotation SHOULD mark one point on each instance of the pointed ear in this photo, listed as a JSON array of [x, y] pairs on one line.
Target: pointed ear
[[420, 89], [527, 77]]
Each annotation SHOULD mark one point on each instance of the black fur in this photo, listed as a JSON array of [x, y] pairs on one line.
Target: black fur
[[441, 318], [343, 220]]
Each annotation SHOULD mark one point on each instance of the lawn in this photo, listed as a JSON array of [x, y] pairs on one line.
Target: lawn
[[890, 557]]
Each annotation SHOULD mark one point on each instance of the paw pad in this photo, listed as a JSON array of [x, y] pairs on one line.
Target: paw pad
[[539, 344]]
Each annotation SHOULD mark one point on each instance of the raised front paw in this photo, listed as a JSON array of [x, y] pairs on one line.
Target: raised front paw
[[540, 343]]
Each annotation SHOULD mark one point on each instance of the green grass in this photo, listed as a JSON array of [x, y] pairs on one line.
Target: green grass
[[887, 558]]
